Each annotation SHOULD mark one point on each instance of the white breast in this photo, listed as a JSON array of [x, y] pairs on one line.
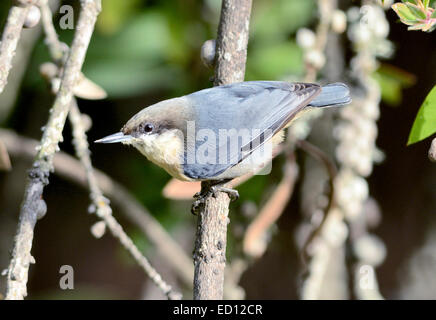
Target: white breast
[[165, 150]]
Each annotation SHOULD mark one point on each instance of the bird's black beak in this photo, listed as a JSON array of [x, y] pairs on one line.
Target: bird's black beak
[[116, 137]]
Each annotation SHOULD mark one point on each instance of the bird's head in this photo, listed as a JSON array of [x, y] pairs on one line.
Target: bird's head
[[157, 131], [152, 123]]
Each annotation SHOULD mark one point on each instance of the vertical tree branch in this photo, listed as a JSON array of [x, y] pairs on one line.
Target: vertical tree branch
[[232, 40], [211, 238], [10, 37], [19, 67], [33, 207]]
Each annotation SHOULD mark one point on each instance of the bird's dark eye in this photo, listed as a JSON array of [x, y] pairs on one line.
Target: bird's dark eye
[[148, 127]]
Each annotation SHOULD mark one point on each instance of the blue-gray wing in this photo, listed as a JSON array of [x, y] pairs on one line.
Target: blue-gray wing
[[245, 115]]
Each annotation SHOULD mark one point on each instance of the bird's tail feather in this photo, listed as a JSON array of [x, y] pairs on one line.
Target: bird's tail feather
[[334, 94]]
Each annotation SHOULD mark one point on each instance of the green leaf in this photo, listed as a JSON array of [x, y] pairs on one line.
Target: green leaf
[[426, 3], [433, 15], [403, 77], [410, 1], [425, 122], [392, 80], [433, 27], [410, 22], [390, 89], [416, 11], [417, 26], [403, 12]]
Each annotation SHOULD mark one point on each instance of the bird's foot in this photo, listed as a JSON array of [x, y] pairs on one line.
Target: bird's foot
[[199, 200], [200, 197], [232, 193]]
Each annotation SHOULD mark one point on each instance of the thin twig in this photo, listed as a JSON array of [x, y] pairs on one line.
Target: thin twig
[[315, 264], [33, 207], [19, 67], [254, 242], [432, 151], [5, 161], [332, 171], [58, 50], [72, 170], [326, 8], [211, 238], [102, 208], [10, 37]]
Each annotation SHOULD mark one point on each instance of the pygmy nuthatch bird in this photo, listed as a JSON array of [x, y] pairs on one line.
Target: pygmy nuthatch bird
[[223, 132]]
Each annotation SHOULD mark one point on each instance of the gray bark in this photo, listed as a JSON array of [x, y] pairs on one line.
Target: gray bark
[[211, 238], [33, 206]]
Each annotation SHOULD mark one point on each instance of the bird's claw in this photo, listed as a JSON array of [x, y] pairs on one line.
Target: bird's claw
[[200, 197], [195, 208], [198, 202], [232, 193]]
